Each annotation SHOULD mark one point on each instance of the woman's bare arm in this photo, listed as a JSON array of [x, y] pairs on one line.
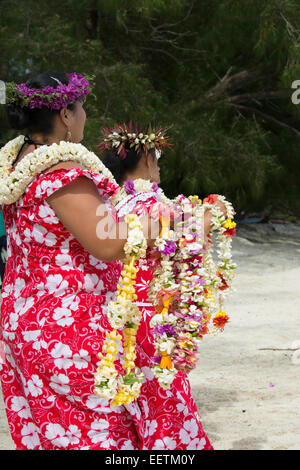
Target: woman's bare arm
[[81, 210]]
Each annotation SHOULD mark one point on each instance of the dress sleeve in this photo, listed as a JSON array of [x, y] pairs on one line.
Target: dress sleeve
[[140, 204], [47, 183]]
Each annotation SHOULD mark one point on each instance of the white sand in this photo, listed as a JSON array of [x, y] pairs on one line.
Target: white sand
[[238, 407]]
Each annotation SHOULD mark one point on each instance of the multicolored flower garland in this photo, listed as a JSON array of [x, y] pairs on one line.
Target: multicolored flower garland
[[123, 315], [184, 284], [220, 275], [162, 292], [179, 290]]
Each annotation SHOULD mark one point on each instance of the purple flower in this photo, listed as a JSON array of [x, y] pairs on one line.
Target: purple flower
[[190, 316], [156, 359], [170, 248], [155, 187], [54, 98], [129, 187], [161, 329]]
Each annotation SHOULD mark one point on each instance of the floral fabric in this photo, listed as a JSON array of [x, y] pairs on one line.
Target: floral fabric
[[53, 324]]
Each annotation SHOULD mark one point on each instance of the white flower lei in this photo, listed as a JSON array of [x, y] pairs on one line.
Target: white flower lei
[[14, 183], [141, 186], [225, 267], [196, 284]]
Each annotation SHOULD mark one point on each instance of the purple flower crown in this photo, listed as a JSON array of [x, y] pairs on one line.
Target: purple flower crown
[[53, 98]]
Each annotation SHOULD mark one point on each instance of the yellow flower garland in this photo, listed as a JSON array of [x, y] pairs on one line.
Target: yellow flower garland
[[123, 314]]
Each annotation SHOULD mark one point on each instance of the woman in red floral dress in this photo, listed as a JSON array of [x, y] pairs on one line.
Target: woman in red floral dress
[[170, 416], [59, 277]]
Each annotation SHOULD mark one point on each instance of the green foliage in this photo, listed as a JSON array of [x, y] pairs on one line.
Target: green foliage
[[219, 71]]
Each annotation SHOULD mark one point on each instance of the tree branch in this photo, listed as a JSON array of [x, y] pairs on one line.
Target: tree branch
[[267, 117]]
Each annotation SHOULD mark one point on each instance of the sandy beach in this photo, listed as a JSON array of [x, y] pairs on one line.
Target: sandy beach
[[248, 379]]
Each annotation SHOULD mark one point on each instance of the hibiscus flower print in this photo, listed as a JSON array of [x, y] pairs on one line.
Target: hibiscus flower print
[[63, 316], [165, 443], [73, 434], [20, 406], [48, 215], [19, 286], [59, 383], [81, 359], [101, 405], [127, 446], [64, 261], [23, 304], [99, 434], [93, 283], [34, 337], [30, 437], [188, 435], [13, 321], [55, 284], [47, 187], [98, 264], [35, 386], [43, 236], [151, 427], [62, 354], [57, 435]]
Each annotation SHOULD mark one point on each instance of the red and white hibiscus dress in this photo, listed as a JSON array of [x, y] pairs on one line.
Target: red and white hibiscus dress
[[170, 417], [53, 325]]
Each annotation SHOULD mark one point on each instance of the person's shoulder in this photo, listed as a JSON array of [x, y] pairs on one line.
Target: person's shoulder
[[69, 165]]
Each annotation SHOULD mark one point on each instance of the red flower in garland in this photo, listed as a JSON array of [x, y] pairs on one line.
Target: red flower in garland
[[220, 320], [211, 199], [224, 283], [230, 232]]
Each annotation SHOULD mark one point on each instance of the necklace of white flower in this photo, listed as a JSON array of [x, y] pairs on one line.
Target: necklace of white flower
[[14, 183], [219, 275], [193, 318], [183, 283], [178, 281], [123, 315], [139, 185], [161, 292]]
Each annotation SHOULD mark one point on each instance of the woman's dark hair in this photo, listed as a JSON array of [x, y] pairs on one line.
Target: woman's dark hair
[[118, 166], [36, 120]]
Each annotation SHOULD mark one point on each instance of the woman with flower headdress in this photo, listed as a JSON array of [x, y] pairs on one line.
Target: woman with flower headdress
[[61, 272], [170, 416]]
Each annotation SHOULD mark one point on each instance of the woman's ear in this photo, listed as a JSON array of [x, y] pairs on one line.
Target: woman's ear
[[65, 115]]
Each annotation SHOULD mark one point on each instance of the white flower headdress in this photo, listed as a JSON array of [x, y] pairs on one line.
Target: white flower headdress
[[123, 138]]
